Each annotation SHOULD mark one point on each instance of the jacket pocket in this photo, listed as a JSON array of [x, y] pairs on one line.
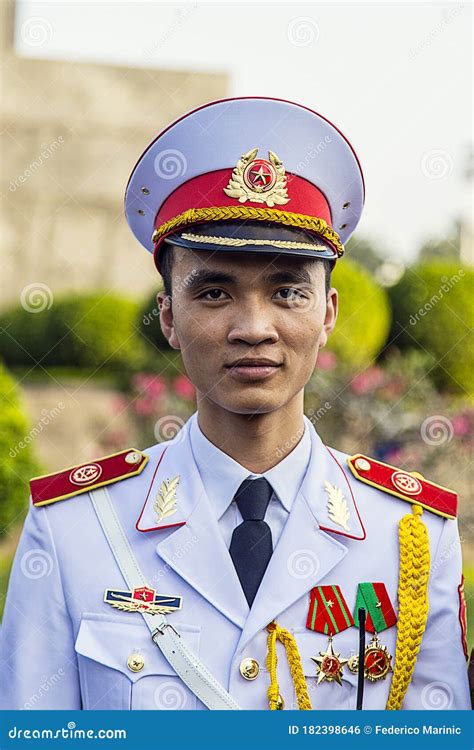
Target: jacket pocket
[[121, 668]]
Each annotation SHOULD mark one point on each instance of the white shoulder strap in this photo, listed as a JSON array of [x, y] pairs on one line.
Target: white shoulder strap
[[193, 673]]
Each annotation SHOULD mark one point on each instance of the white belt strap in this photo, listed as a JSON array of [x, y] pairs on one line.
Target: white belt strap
[[193, 673]]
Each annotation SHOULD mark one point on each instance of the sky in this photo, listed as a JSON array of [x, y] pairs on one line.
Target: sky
[[395, 78]]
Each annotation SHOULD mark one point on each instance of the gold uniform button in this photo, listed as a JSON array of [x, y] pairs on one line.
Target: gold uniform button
[[135, 662], [249, 668]]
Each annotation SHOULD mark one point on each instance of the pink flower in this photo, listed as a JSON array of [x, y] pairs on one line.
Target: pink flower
[[144, 406], [153, 385], [461, 424], [326, 360], [368, 380], [183, 387]]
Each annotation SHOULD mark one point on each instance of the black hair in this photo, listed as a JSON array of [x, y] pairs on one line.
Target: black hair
[[167, 258]]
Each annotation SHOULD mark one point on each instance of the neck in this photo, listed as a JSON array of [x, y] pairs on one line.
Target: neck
[[256, 441]]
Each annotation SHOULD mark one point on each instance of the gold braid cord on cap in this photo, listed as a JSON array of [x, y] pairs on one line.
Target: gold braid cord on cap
[[276, 633], [228, 213], [413, 602]]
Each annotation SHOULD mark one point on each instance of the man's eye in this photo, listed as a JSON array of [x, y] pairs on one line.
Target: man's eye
[[211, 291], [290, 293]]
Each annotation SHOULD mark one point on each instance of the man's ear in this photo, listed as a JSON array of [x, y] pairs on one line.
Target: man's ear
[[330, 316], [165, 306]]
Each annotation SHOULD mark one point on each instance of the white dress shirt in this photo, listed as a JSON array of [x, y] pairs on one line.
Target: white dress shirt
[[222, 476]]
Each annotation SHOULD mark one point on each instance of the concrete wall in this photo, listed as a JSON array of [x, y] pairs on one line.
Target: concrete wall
[[70, 134]]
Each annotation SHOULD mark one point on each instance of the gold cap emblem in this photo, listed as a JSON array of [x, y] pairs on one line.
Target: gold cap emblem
[[258, 180]]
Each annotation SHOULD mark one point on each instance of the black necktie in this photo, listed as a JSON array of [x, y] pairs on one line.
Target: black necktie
[[251, 544]]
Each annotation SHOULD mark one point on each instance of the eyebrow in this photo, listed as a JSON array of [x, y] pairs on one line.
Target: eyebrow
[[219, 277]]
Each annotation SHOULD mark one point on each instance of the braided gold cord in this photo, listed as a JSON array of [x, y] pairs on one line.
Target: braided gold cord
[[413, 602], [227, 213], [239, 242], [275, 632]]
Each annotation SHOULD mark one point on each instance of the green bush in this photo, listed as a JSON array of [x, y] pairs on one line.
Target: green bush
[[92, 330], [364, 315], [17, 464], [433, 305]]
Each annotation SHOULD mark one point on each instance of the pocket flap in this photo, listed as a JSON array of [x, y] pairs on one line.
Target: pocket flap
[[111, 641]]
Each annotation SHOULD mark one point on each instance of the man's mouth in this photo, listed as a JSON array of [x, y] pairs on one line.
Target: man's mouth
[[253, 368]]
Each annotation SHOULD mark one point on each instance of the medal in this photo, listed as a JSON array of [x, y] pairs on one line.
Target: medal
[[374, 598], [328, 613], [329, 664], [142, 599], [377, 660]]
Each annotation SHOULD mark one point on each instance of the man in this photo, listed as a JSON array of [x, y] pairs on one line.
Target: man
[[240, 564]]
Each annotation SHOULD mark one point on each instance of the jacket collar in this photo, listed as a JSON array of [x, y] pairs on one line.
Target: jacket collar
[[222, 475], [311, 544]]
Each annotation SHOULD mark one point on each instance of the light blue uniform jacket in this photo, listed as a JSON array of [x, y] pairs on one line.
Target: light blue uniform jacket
[[63, 647]]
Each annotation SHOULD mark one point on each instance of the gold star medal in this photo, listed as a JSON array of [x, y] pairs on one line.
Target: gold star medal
[[329, 665], [329, 614]]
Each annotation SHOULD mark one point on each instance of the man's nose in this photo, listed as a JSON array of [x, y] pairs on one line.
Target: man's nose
[[253, 322]]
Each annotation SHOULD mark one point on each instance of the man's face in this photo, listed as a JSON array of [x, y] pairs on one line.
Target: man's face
[[227, 306]]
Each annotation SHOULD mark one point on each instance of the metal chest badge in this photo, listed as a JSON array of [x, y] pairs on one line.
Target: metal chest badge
[[142, 599], [329, 614]]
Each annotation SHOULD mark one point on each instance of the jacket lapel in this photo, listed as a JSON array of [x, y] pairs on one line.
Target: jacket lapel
[[194, 548], [312, 543]]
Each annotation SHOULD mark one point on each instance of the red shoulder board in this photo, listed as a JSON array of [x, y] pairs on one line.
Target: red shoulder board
[[76, 479], [408, 485]]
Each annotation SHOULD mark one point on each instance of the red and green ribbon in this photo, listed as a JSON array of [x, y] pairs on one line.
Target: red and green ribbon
[[374, 598], [328, 611]]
